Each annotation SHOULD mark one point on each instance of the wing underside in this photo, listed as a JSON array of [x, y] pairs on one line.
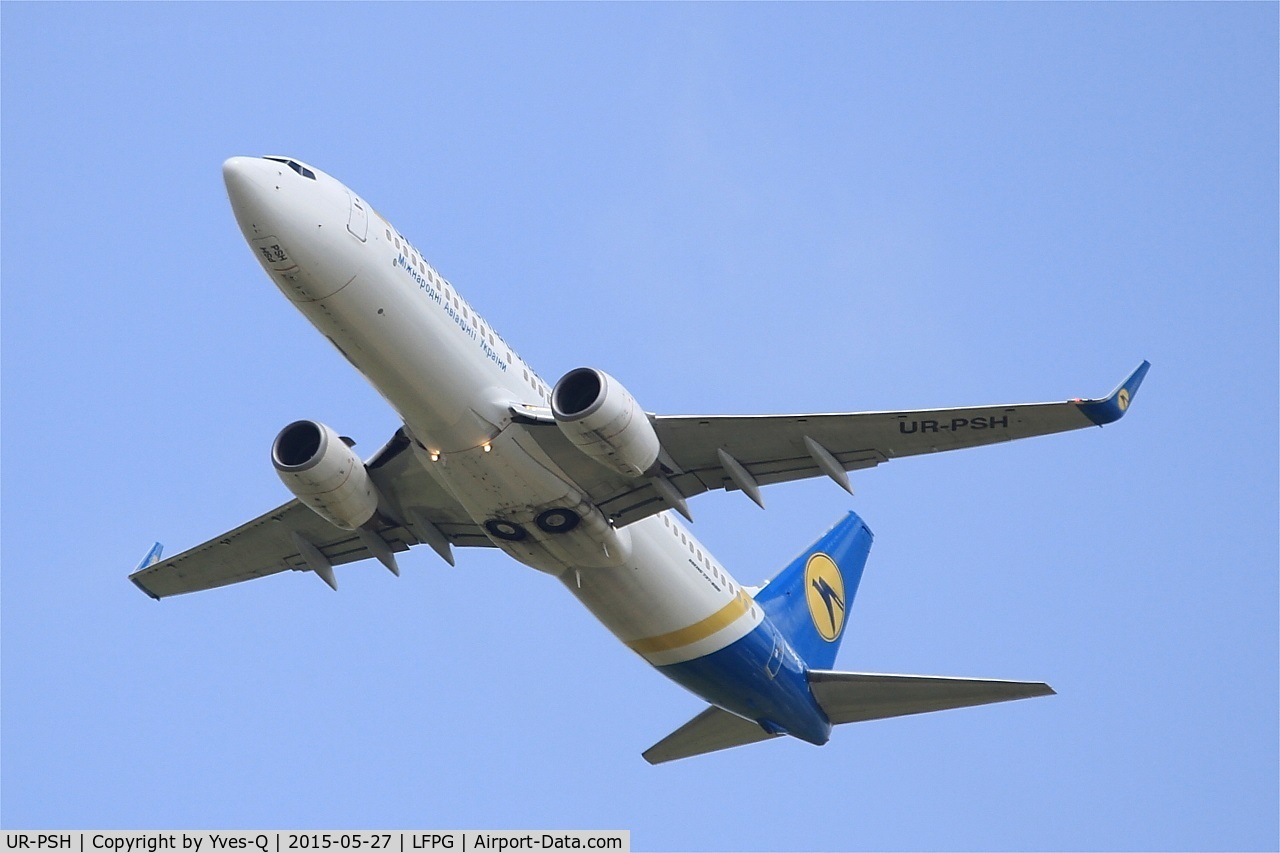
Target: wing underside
[[700, 453], [708, 452], [267, 544]]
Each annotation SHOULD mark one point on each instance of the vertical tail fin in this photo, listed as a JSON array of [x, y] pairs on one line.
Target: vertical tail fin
[[809, 600]]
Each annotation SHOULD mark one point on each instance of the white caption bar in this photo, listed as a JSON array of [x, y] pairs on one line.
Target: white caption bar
[[278, 841]]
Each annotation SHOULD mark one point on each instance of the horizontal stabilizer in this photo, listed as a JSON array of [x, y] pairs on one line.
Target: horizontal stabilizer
[[852, 697], [714, 729]]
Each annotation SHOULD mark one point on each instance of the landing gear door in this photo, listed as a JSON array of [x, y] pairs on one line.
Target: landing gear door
[[358, 223]]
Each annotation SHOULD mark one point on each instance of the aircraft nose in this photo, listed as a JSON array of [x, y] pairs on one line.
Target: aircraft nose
[[245, 179]]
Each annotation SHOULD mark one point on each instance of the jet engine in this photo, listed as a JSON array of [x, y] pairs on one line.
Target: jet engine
[[325, 474], [604, 421]]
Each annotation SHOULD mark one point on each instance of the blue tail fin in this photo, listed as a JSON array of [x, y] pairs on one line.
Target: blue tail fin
[[809, 600]]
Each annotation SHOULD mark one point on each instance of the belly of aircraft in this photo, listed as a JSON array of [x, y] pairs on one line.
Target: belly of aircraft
[[644, 582]]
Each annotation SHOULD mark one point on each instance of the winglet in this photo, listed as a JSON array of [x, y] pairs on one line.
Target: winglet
[[1113, 407], [152, 557]]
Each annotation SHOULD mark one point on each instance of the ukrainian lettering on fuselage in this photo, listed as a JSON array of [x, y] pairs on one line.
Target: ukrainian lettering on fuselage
[[435, 295], [979, 422]]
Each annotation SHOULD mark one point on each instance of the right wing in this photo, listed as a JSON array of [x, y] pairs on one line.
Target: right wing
[[266, 545]]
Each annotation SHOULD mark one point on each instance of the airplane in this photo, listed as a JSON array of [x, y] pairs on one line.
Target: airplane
[[575, 480]]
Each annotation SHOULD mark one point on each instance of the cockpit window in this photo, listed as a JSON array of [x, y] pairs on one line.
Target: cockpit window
[[296, 166]]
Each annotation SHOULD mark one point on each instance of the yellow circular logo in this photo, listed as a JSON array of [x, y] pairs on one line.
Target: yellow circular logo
[[1122, 399], [824, 593]]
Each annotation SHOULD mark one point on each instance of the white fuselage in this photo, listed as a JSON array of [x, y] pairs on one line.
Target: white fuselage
[[453, 380]]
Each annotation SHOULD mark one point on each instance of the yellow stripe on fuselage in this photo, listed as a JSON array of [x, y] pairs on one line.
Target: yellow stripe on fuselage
[[697, 631]]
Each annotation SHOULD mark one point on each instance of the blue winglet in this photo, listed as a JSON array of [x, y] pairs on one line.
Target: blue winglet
[[1113, 407], [153, 557]]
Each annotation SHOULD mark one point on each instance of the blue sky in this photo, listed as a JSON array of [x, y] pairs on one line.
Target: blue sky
[[731, 208]]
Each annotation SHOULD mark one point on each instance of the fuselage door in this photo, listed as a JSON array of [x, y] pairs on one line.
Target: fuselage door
[[358, 223], [774, 663]]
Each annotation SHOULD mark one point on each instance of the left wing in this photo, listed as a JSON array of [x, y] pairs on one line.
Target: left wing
[[706, 452], [419, 508]]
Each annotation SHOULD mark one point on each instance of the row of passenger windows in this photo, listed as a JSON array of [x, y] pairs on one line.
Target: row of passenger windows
[[539, 387], [460, 305], [697, 552]]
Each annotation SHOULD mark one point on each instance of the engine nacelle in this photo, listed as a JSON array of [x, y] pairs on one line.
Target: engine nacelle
[[604, 421], [324, 473]]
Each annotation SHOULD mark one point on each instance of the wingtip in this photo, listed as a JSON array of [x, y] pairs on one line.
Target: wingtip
[[153, 555], [1135, 378], [1113, 407], [140, 586]]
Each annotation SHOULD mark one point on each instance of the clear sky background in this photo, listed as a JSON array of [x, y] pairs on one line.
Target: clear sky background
[[733, 209]]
